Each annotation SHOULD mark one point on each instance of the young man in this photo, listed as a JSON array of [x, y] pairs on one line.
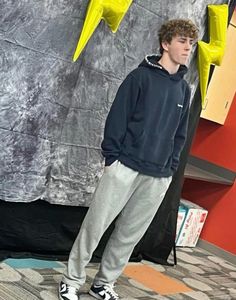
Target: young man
[[144, 135]]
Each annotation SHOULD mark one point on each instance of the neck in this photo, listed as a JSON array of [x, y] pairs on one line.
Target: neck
[[168, 64]]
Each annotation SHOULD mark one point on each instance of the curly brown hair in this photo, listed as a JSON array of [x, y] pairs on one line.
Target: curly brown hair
[[175, 27]]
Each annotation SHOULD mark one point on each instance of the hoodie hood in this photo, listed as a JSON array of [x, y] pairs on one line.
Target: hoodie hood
[[151, 61]]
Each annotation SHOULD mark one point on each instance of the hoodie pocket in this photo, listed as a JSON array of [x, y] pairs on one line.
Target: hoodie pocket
[[153, 148]]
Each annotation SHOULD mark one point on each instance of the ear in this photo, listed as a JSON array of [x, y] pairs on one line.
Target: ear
[[165, 46]]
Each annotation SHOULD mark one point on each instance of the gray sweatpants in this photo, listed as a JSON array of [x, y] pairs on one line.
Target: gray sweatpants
[[121, 190]]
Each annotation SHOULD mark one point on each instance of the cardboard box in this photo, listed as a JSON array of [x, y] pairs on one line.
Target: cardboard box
[[180, 220], [193, 223]]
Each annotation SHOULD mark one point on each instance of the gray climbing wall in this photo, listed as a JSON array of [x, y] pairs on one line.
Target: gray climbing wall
[[52, 111]]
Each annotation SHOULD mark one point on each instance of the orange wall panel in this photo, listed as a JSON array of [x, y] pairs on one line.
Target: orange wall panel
[[220, 201], [217, 144]]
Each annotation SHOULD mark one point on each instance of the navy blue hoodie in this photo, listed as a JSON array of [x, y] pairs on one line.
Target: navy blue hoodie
[[147, 123]]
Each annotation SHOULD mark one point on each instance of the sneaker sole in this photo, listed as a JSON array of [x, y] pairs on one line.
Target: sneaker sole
[[95, 295], [59, 296]]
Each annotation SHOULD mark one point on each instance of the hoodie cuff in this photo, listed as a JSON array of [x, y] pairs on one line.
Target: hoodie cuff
[[110, 160], [174, 168]]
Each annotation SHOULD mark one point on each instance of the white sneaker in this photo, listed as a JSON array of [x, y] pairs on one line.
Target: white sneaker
[[67, 292], [103, 292]]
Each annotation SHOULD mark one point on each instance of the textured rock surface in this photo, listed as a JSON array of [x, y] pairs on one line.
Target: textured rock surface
[[52, 111]]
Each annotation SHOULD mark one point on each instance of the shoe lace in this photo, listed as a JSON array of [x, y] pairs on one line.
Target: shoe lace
[[72, 290], [110, 289]]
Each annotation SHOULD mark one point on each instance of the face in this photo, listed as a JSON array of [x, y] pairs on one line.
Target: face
[[179, 49]]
